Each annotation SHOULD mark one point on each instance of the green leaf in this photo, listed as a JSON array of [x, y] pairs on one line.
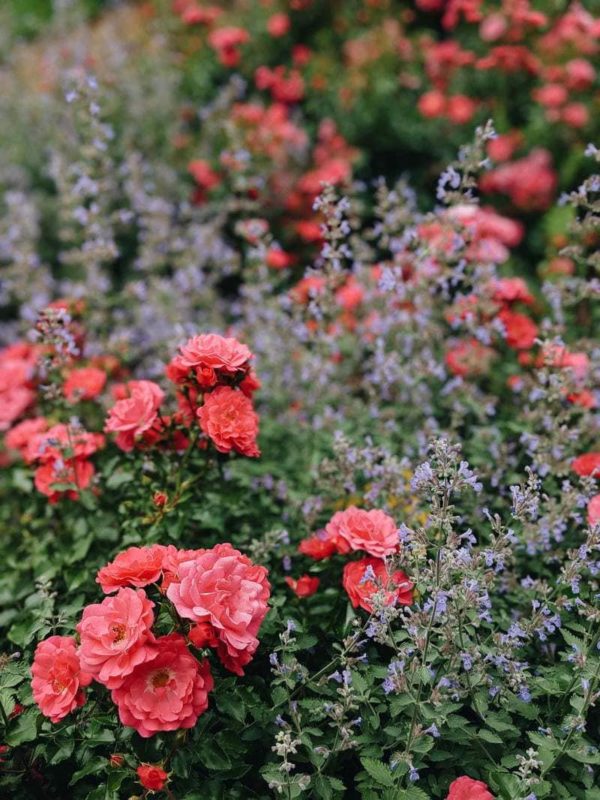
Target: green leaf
[[25, 728], [378, 771]]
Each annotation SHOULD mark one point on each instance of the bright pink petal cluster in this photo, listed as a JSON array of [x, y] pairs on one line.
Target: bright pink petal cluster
[[57, 677], [116, 636], [465, 788], [167, 693], [225, 589], [135, 414], [373, 531]]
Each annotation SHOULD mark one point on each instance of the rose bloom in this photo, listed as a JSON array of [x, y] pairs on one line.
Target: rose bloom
[[469, 357], [511, 290], [305, 586], [18, 438], [116, 636], [229, 420], [84, 384], [62, 442], [432, 104], [57, 677], [58, 479], [398, 588], [134, 415], [466, 788], [593, 511], [521, 332], [223, 587], [356, 529], [165, 694], [278, 25], [220, 353], [151, 777], [587, 465], [318, 546], [136, 566]]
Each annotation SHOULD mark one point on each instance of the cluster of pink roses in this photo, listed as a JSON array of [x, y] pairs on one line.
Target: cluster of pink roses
[[156, 682], [373, 532]]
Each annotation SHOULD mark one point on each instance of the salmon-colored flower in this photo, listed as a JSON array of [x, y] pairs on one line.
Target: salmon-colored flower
[[363, 579], [165, 694], [223, 587], [132, 416], [465, 788], [151, 777], [116, 636], [304, 586], [229, 420], [356, 529], [136, 566], [57, 677], [84, 384]]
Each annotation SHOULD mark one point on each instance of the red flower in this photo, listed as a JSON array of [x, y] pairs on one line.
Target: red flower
[[84, 384], [521, 332], [469, 357], [318, 546], [587, 465], [361, 587], [305, 586], [466, 788], [229, 420], [151, 777], [167, 693]]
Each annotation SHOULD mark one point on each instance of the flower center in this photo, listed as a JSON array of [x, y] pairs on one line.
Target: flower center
[[118, 632], [161, 678]]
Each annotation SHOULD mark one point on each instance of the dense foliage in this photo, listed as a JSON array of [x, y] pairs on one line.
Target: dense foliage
[[299, 383]]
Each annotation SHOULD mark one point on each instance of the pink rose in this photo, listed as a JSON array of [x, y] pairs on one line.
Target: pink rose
[[136, 566], [57, 677], [593, 511], [224, 588], [58, 479], [84, 384], [356, 529], [115, 636], [18, 438], [134, 415], [229, 420], [165, 694], [363, 579], [216, 352], [465, 788]]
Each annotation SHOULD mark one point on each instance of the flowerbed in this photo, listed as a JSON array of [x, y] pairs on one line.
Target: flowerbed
[[299, 464]]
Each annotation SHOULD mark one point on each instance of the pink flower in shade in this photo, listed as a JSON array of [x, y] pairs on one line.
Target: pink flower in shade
[[132, 416], [229, 420], [356, 529], [84, 384], [18, 438], [57, 677], [593, 511], [223, 354], [165, 694], [136, 566], [465, 788], [361, 583], [224, 588], [58, 479], [116, 636]]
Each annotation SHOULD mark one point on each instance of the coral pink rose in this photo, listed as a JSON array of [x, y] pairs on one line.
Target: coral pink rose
[[216, 352], [57, 677], [587, 465], [469, 358], [593, 511], [356, 529], [18, 438], [318, 546], [361, 587], [521, 332], [305, 586], [134, 415], [136, 566], [116, 636], [224, 588], [84, 384], [152, 777], [62, 443], [58, 479], [229, 420], [14, 402], [165, 694], [466, 788]]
